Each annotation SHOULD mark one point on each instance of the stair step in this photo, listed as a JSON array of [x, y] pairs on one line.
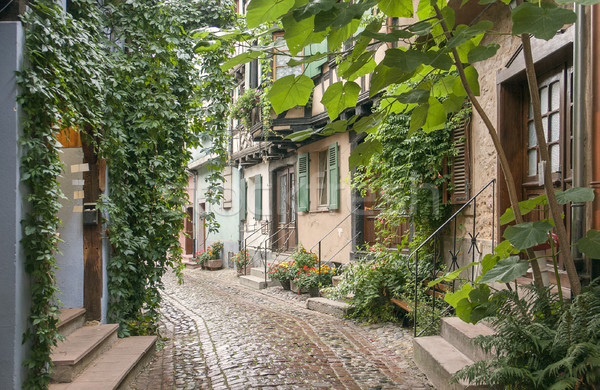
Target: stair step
[[69, 320], [116, 368], [440, 360], [79, 349], [256, 282], [461, 334], [259, 272], [328, 306]]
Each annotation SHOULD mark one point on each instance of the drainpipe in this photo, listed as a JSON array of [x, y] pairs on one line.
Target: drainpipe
[[194, 214], [595, 183], [579, 99]]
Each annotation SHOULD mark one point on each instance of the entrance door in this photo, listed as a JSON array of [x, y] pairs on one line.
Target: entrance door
[[556, 107], [201, 227], [285, 223], [189, 231]]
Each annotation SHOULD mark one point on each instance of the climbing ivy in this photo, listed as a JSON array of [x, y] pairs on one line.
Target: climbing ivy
[[60, 87], [156, 110], [144, 93]]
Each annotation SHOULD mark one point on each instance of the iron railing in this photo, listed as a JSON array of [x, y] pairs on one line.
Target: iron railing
[[436, 238]]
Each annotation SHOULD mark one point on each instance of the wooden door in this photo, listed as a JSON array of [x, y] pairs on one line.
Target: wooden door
[[285, 237], [189, 231]]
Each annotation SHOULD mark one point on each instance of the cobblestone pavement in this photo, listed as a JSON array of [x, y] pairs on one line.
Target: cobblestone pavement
[[221, 335]]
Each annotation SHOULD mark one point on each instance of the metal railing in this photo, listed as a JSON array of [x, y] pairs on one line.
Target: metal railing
[[435, 237]]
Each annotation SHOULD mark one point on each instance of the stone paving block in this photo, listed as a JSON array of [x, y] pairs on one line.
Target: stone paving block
[[327, 306]]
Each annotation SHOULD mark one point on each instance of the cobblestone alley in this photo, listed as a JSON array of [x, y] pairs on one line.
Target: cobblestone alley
[[221, 335]]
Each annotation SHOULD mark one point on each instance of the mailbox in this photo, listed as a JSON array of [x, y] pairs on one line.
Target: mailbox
[[90, 214]]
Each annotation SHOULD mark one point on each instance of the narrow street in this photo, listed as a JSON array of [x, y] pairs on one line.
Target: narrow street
[[221, 335]]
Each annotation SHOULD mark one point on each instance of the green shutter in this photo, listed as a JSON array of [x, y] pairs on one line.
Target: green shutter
[[314, 69], [334, 176], [258, 197], [243, 199], [303, 183]]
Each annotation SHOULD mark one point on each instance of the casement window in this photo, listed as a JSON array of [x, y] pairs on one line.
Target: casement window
[[322, 189], [227, 188], [327, 175], [280, 66], [258, 197], [314, 68], [461, 166]]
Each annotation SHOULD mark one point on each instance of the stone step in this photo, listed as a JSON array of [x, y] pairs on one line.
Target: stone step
[[256, 282], [328, 306], [461, 334], [72, 355], [259, 272], [116, 368], [439, 361], [69, 320], [191, 264]]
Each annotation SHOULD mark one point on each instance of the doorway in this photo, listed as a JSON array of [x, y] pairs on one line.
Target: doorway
[[285, 237]]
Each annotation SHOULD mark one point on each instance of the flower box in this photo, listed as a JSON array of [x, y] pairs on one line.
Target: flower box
[[214, 264]]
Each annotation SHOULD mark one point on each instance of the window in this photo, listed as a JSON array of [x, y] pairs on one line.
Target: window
[[327, 179], [280, 66], [322, 187], [258, 197]]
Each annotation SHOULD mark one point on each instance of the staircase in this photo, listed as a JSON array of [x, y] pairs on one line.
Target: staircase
[[256, 279], [440, 357], [93, 357]]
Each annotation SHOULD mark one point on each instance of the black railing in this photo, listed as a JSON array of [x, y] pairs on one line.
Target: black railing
[[436, 240]]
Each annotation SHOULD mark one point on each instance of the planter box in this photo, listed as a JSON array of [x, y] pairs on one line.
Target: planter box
[[214, 264], [314, 292]]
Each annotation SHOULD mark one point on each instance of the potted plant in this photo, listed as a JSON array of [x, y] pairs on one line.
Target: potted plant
[[283, 272], [243, 106], [309, 279], [242, 262], [214, 260]]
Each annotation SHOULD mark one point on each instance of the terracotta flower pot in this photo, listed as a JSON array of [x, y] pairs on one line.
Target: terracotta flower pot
[[214, 264]]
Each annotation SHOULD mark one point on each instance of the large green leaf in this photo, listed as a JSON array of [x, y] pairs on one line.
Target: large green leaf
[[299, 34], [418, 117], [525, 206], [361, 155], [364, 64], [414, 96], [301, 135], [453, 103], [436, 116], [393, 36], [528, 234], [405, 60], [384, 76], [481, 53], [337, 36], [464, 33], [453, 298], [340, 96], [290, 91], [312, 8], [341, 14], [506, 270], [575, 194], [369, 123], [263, 11], [397, 8], [473, 80], [541, 20], [590, 244], [240, 59]]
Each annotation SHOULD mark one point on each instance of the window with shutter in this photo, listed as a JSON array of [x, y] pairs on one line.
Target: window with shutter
[[258, 197], [461, 167], [334, 177], [314, 68], [243, 199], [303, 183]]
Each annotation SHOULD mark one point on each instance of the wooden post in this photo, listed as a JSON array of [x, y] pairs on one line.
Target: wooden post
[[92, 236]]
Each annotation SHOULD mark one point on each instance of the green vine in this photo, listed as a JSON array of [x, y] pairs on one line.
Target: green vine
[[155, 115], [60, 87]]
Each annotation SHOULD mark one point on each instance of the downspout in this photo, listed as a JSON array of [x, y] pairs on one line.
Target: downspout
[[595, 183], [195, 215], [579, 99]]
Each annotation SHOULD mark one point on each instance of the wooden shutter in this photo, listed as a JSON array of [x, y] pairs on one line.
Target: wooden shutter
[[243, 198], [461, 169], [253, 79], [258, 197], [303, 183], [314, 69], [334, 177], [227, 188]]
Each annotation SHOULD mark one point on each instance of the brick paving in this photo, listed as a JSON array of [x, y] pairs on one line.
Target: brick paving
[[218, 334]]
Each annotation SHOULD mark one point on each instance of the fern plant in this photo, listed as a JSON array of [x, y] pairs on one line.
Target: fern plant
[[541, 343]]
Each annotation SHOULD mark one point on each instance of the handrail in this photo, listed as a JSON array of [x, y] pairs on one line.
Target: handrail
[[335, 227], [454, 253]]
